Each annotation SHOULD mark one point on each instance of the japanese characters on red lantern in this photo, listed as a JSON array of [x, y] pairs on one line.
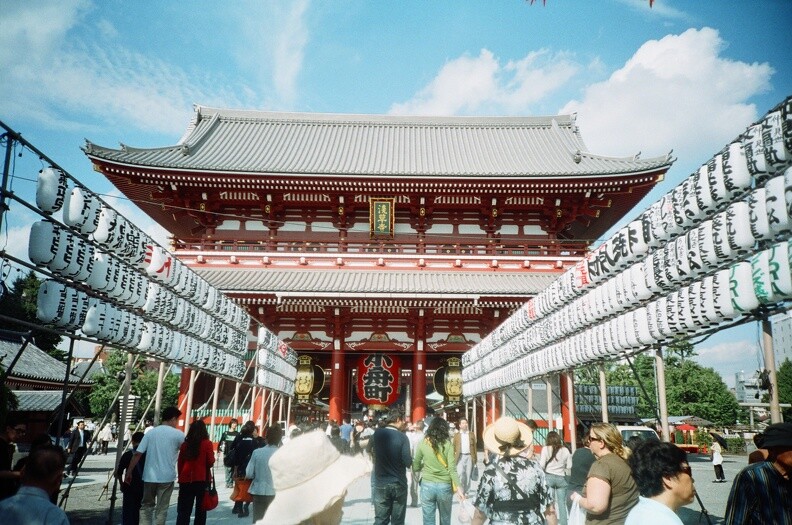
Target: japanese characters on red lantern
[[378, 379]]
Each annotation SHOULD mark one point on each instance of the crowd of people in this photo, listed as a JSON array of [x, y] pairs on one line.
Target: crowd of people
[[302, 476]]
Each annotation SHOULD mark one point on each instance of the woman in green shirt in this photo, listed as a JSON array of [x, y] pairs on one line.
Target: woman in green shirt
[[434, 459]]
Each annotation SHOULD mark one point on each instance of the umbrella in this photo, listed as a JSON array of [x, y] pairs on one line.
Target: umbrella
[[720, 439], [685, 427]]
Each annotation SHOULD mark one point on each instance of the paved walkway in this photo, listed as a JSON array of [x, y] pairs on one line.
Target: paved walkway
[[89, 503]]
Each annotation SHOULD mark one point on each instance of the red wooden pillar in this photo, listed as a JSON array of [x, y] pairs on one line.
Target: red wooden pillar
[[492, 407], [184, 387], [419, 372], [567, 393], [337, 373]]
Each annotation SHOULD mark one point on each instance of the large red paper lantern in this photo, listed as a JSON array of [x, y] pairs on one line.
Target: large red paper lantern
[[378, 379]]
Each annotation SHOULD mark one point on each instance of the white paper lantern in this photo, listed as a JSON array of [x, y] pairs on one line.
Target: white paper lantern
[[716, 181], [775, 205], [703, 194], [753, 145], [65, 251], [736, 176], [51, 301], [106, 227], [741, 289], [709, 311], [663, 319], [672, 270], [721, 295], [81, 210], [94, 317], [741, 239], [757, 205], [51, 187], [777, 156], [682, 258], [720, 236], [86, 258], [694, 258], [706, 245], [772, 279], [684, 313], [44, 242]]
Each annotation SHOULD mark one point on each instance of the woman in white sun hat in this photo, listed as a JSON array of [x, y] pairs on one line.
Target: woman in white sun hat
[[512, 489], [311, 479]]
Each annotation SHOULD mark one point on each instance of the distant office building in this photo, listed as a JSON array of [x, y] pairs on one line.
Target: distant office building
[[747, 387], [782, 337]]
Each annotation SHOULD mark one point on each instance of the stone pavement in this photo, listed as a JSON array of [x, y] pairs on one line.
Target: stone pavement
[[89, 502]]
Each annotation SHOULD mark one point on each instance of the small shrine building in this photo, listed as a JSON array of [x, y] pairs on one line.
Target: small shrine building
[[378, 242]]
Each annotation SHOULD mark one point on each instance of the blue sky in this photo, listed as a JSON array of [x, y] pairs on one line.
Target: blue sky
[[684, 75]]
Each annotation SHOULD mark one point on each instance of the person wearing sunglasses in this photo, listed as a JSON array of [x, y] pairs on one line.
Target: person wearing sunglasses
[[664, 480], [9, 479], [610, 489]]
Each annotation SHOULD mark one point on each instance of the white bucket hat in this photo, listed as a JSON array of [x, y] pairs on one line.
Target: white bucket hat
[[309, 475], [507, 436]]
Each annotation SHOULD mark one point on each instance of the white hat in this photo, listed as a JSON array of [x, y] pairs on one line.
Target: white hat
[[507, 436], [309, 475]]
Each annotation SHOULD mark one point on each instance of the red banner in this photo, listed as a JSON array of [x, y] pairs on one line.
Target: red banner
[[378, 379]]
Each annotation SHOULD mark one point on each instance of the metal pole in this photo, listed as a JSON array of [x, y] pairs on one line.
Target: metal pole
[[408, 400], [65, 386], [288, 413], [124, 401], [661, 393], [236, 401], [272, 408], [770, 366], [570, 381], [188, 408], [503, 403], [158, 394], [214, 406], [603, 393], [6, 166], [529, 399], [549, 387], [254, 393]]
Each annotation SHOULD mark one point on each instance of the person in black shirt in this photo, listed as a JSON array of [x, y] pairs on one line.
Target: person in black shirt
[[391, 450], [224, 446], [9, 479], [132, 491]]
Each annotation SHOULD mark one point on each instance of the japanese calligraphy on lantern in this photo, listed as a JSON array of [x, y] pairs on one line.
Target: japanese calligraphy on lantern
[[378, 379]]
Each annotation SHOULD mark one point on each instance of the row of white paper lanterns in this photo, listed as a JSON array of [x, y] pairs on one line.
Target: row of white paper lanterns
[[727, 237], [764, 279], [271, 361], [595, 307], [84, 212], [71, 309], [273, 381], [762, 151], [268, 341]]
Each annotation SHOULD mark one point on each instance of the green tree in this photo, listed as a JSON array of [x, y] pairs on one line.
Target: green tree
[[144, 384], [784, 380], [21, 303], [679, 351]]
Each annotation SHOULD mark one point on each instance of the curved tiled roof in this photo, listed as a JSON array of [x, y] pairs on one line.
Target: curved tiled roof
[[254, 142], [34, 363], [375, 282]]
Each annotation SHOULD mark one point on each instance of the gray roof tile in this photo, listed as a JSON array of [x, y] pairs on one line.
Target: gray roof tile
[[379, 145], [34, 363], [38, 400], [376, 281]]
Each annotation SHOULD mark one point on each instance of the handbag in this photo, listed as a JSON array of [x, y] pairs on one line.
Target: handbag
[[241, 491], [474, 473], [210, 499]]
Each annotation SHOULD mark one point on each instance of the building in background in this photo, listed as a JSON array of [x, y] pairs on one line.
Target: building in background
[[379, 246]]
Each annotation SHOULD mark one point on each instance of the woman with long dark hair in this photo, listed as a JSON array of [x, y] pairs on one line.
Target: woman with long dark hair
[[243, 446], [556, 460], [196, 457], [434, 458]]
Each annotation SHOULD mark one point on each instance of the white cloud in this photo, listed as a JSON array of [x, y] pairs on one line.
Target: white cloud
[[674, 93], [730, 357], [51, 71], [471, 85], [271, 46]]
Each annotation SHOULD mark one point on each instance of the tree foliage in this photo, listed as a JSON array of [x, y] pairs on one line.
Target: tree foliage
[[691, 389], [20, 303], [144, 384], [784, 380]]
